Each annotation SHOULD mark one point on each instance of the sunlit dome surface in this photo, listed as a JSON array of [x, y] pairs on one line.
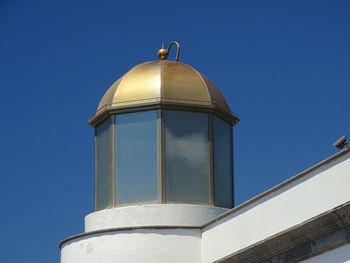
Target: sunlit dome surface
[[163, 81]]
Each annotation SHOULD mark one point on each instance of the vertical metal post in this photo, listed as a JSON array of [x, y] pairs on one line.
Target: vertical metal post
[[232, 169], [113, 150], [159, 158], [95, 171], [163, 157], [211, 160]]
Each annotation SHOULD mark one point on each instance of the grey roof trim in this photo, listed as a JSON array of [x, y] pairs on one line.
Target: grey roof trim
[[305, 240]]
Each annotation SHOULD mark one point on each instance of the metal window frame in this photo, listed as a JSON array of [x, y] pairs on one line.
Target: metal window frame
[[161, 158]]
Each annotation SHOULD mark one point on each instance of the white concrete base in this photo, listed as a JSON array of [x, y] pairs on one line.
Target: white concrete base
[[139, 245], [152, 215], [171, 240]]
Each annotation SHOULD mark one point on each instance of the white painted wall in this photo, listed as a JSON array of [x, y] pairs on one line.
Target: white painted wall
[[294, 203], [319, 191], [338, 255], [147, 246], [152, 215]]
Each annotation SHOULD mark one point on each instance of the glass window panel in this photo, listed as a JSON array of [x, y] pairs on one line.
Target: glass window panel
[[222, 163], [136, 157], [102, 166], [187, 157]]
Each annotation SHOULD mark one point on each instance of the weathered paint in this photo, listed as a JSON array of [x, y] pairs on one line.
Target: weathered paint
[[149, 246]]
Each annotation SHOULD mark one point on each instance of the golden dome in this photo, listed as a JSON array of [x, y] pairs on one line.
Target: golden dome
[[162, 83]]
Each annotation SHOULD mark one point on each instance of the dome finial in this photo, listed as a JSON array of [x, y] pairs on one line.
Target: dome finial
[[164, 52]]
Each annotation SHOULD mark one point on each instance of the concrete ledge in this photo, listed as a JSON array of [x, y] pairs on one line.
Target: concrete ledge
[[122, 229], [152, 214]]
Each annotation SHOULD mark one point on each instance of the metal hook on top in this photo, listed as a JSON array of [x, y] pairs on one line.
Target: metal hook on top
[[163, 53], [177, 51]]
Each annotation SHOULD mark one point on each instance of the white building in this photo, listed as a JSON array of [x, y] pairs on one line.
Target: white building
[[164, 183]]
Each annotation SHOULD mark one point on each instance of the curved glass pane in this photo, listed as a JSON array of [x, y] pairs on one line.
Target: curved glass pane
[[103, 174], [136, 157], [223, 184], [187, 157]]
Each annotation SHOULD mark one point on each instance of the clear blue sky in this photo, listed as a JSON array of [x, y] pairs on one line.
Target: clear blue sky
[[282, 65]]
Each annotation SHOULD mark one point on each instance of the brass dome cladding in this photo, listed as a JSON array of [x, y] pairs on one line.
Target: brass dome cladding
[[162, 84]]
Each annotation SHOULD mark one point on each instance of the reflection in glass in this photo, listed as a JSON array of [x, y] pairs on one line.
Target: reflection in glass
[[187, 158], [102, 165], [222, 163], [136, 157]]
